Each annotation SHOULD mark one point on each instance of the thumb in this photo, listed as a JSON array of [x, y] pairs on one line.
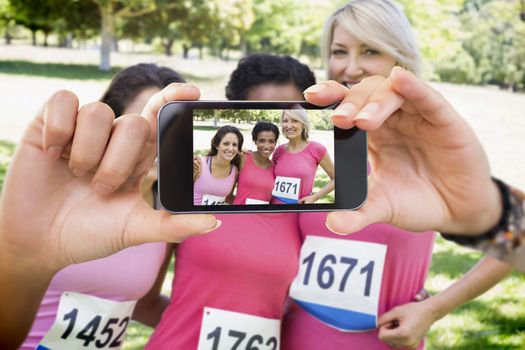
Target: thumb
[[149, 225], [375, 209]]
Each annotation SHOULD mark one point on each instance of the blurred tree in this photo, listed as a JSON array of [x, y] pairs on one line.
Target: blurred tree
[[7, 20], [36, 15], [161, 23], [495, 39]]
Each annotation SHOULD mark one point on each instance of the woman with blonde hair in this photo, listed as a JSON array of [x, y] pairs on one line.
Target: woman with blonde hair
[[296, 162], [356, 291]]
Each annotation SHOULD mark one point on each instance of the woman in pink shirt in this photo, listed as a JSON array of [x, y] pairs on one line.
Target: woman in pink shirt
[[104, 292], [296, 162], [256, 177], [215, 178], [355, 291]]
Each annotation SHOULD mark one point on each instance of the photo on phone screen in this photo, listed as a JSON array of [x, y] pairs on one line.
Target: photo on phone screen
[[241, 156], [245, 142]]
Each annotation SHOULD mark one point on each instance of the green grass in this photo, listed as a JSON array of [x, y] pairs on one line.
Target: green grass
[[494, 321], [7, 149], [56, 70], [78, 71]]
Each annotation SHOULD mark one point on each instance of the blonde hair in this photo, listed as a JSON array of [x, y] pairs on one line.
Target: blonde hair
[[301, 116], [380, 24]]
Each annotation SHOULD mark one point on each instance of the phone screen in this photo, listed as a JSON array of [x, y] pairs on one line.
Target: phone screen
[[258, 156]]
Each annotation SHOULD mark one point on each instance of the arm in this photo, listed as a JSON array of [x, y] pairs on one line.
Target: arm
[[328, 166], [406, 325], [150, 307], [196, 168], [78, 155]]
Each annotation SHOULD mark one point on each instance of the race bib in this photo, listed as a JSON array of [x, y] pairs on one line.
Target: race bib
[[88, 322], [227, 330], [339, 282], [209, 199], [286, 189], [255, 201]]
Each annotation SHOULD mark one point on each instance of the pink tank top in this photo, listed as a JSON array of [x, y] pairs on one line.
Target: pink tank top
[[245, 266], [254, 182], [302, 165], [126, 275], [406, 265], [211, 185]]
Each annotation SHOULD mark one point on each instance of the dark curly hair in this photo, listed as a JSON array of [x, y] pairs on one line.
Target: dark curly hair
[[130, 82], [258, 69], [217, 138], [264, 126]]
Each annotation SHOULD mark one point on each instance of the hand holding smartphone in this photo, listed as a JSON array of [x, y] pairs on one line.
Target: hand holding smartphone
[[241, 156]]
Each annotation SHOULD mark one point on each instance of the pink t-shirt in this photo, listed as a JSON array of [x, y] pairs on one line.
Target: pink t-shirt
[[126, 275], [406, 266], [302, 165], [245, 266], [211, 185], [254, 182]]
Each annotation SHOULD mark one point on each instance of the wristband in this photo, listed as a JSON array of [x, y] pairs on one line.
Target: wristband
[[508, 234]]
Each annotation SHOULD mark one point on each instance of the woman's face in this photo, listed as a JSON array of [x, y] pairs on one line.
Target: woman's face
[[292, 128], [228, 147], [351, 60], [265, 143]]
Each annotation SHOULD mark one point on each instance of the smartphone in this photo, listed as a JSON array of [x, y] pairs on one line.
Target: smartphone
[[226, 157]]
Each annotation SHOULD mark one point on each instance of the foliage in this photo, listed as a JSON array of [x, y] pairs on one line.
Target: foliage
[[462, 41]]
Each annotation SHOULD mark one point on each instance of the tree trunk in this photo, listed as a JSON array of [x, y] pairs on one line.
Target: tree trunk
[[185, 51], [46, 36], [168, 45], [108, 30], [7, 35], [33, 36], [244, 47], [201, 52]]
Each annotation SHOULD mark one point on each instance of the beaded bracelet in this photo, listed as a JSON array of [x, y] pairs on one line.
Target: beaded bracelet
[[508, 235]]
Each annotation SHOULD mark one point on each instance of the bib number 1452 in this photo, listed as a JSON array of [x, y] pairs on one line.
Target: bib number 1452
[[88, 322]]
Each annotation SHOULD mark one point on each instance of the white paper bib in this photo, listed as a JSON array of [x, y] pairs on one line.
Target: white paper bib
[[339, 282], [88, 322], [255, 201], [227, 330], [208, 199], [286, 189]]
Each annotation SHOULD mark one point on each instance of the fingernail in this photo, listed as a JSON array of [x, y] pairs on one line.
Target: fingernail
[[314, 89], [345, 110], [55, 151], [219, 223], [103, 188], [367, 112], [78, 172], [334, 231]]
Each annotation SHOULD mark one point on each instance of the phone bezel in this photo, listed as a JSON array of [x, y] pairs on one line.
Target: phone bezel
[[175, 131]]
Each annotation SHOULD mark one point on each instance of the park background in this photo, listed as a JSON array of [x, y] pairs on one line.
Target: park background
[[474, 52]]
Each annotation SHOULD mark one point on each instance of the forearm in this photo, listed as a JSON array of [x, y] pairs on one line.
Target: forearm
[[150, 312], [483, 276], [329, 187], [23, 284]]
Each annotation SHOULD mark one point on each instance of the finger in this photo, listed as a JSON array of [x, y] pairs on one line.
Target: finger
[[149, 225], [389, 319], [433, 107], [92, 130], [172, 92], [381, 104], [59, 119], [119, 163], [375, 209]]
